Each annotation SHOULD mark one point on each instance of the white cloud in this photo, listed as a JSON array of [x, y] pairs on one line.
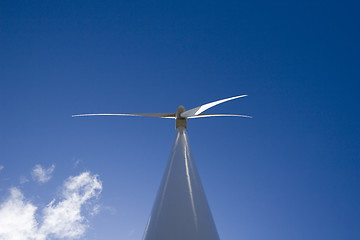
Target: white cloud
[[62, 219], [42, 175], [1, 167], [17, 221]]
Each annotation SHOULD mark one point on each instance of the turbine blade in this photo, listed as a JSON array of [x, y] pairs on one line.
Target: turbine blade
[[158, 115], [196, 111], [219, 115]]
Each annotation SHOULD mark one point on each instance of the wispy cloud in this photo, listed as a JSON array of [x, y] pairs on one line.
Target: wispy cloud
[[41, 174], [77, 161], [64, 219], [131, 232], [23, 180], [1, 167], [59, 219]]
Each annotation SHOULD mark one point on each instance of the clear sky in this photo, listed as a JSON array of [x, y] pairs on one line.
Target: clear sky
[[291, 172]]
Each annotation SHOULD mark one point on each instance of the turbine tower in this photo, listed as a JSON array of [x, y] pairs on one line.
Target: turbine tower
[[181, 210]]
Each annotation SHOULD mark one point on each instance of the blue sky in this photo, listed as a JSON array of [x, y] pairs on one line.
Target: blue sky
[[291, 172]]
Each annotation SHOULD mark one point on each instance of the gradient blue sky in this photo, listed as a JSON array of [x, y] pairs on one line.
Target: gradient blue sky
[[291, 172]]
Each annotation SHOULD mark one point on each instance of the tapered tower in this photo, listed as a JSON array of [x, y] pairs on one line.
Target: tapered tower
[[181, 210]]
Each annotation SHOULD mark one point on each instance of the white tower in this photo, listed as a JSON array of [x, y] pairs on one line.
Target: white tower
[[181, 210]]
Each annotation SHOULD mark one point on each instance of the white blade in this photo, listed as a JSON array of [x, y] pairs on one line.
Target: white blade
[[219, 115], [196, 111], [159, 115]]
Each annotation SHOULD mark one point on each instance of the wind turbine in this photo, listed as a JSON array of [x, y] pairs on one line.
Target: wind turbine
[[181, 210]]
